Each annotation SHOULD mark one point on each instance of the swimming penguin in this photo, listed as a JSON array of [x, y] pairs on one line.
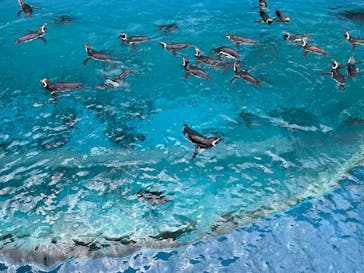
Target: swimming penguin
[[96, 55], [296, 37], [168, 28], [199, 140], [33, 35], [351, 68], [336, 74], [116, 81], [59, 87], [227, 51], [194, 70], [133, 40], [204, 59], [240, 40], [152, 197], [175, 46], [353, 41], [26, 8], [265, 18], [311, 48], [282, 17], [243, 74]]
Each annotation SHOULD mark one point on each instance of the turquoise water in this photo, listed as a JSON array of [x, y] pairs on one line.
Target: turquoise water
[[72, 171]]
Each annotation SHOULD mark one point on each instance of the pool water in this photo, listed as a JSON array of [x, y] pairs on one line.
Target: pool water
[[104, 178]]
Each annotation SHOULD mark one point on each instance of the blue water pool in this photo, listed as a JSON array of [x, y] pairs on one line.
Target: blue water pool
[[102, 178]]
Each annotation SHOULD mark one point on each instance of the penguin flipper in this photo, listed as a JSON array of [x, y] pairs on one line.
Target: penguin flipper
[[174, 53], [353, 46], [234, 79], [19, 12], [86, 60], [37, 8], [133, 46], [187, 74], [237, 45], [195, 153], [305, 53], [43, 39]]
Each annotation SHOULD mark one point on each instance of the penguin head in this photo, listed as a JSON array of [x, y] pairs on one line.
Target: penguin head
[[43, 28], [347, 35], [286, 35], [123, 36], [87, 47], [228, 36], [164, 44], [45, 82], [185, 61], [263, 4], [304, 42], [351, 60], [213, 141], [269, 21], [197, 52], [335, 65], [287, 20]]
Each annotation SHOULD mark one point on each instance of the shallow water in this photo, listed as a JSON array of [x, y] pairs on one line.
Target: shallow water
[[72, 171]]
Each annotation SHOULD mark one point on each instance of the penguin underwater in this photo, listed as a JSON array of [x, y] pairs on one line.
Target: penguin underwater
[[240, 40], [336, 74], [243, 74], [173, 47], [204, 59], [312, 48], [199, 140], [353, 41]]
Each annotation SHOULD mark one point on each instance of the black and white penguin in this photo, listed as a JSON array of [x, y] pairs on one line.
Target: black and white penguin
[[199, 140], [96, 55], [263, 4], [282, 17], [243, 74], [296, 37], [33, 35], [53, 88], [353, 41], [173, 47], [204, 59], [336, 74], [133, 40], [227, 51], [240, 40], [26, 8], [194, 70], [312, 48], [264, 18], [351, 68]]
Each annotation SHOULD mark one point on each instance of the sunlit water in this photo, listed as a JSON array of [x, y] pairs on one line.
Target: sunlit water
[[72, 171]]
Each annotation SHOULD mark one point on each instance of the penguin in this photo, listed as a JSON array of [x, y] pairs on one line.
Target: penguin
[[240, 40], [199, 140], [96, 55], [243, 74], [26, 8], [351, 68], [265, 18], [228, 52], [133, 40], [168, 28], [152, 197], [296, 37], [204, 59], [282, 17], [312, 48], [175, 46], [353, 41], [194, 70], [336, 74], [33, 35], [59, 87], [116, 81]]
